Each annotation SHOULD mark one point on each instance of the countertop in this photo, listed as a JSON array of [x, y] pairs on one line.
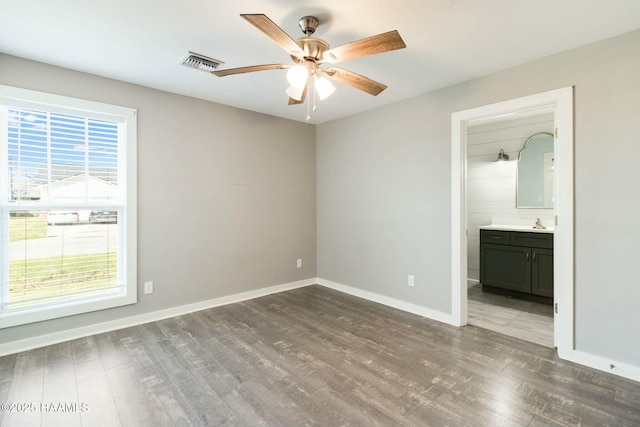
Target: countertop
[[516, 228]]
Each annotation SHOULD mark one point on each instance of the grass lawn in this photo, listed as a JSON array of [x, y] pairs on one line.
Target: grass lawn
[[47, 277], [26, 228]]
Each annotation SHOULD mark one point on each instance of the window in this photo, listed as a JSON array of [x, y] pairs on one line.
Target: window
[[67, 206]]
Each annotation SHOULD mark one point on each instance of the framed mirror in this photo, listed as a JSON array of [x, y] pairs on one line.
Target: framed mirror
[[534, 178]]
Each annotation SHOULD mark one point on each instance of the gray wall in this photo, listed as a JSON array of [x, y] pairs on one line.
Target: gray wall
[[226, 197], [384, 198]]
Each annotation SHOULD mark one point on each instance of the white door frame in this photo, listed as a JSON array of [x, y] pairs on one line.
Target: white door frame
[[561, 100]]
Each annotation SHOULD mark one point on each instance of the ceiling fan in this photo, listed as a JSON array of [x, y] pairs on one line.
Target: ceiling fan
[[309, 53]]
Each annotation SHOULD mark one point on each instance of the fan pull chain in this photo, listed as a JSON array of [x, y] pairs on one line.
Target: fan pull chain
[[310, 89], [315, 77]]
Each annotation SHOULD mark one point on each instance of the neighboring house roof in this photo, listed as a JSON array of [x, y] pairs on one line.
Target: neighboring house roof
[[102, 182], [76, 188], [62, 171]]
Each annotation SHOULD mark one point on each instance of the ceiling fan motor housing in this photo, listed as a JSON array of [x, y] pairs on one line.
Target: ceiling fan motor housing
[[312, 47]]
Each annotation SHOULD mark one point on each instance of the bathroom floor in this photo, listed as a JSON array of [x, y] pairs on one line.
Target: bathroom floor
[[522, 319]]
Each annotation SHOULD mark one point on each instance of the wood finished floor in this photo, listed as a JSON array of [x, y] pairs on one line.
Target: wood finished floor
[[527, 320], [310, 356]]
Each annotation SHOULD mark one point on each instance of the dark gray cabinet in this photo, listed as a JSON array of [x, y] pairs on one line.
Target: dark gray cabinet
[[517, 261]]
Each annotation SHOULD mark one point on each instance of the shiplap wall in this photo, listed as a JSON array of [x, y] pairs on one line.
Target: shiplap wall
[[491, 186]]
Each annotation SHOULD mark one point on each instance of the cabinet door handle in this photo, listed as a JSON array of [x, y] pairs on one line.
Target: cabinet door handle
[[527, 256], [534, 257]]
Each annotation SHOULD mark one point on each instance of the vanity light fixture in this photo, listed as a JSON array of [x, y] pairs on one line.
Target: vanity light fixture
[[502, 156]]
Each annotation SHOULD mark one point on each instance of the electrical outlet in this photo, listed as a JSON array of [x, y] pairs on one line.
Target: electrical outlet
[[411, 280], [148, 287], [299, 263]]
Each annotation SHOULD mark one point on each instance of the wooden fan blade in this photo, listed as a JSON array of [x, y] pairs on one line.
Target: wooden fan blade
[[384, 42], [363, 83], [251, 69], [273, 31], [302, 98]]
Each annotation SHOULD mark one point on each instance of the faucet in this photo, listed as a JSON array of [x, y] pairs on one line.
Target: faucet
[[539, 225]]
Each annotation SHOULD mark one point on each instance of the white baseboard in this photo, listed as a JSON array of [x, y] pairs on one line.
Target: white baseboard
[[84, 331], [388, 301], [603, 364]]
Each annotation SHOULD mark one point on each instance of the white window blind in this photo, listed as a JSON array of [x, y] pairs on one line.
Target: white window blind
[[66, 207]]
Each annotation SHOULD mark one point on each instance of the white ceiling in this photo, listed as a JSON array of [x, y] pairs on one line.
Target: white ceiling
[[448, 41]]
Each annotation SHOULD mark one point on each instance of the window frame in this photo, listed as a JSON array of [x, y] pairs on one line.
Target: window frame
[[127, 170]]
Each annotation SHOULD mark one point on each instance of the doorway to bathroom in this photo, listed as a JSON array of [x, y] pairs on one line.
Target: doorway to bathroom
[[477, 135], [506, 199]]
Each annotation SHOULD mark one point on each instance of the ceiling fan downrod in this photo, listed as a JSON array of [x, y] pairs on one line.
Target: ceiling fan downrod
[[308, 24]]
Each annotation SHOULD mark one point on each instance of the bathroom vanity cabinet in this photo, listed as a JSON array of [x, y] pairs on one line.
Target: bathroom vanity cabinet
[[517, 261]]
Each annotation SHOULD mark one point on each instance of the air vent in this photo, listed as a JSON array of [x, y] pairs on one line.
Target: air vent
[[201, 62]]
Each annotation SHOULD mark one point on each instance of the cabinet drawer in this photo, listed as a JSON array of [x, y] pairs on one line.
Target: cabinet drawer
[[495, 236], [533, 240]]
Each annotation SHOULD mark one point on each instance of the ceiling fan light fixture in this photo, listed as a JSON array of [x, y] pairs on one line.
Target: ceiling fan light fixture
[[297, 76], [295, 92], [324, 88]]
